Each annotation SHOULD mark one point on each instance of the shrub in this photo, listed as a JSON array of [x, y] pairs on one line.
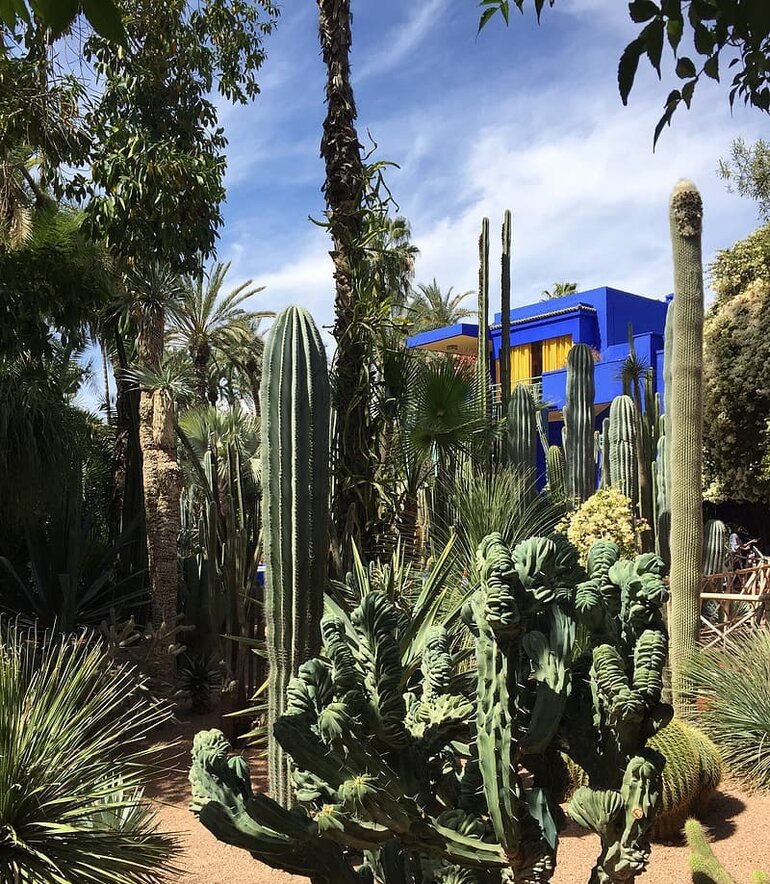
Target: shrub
[[73, 764], [606, 515], [735, 712]]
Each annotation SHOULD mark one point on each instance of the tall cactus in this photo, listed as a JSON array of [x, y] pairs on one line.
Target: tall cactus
[[295, 499], [606, 471], [624, 464], [505, 313], [521, 431], [686, 432], [482, 357], [663, 507], [579, 423], [715, 546], [556, 466]]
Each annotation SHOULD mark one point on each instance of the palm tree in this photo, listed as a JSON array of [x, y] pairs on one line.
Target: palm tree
[[203, 322], [430, 308], [559, 290], [151, 291]]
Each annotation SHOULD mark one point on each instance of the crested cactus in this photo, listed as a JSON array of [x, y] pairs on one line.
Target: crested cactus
[[579, 423], [624, 464], [685, 433], [450, 783], [556, 467], [295, 500], [522, 432]]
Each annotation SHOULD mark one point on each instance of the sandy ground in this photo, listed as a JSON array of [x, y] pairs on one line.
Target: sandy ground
[[738, 824]]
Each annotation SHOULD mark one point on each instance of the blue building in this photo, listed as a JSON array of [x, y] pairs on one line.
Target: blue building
[[543, 333]]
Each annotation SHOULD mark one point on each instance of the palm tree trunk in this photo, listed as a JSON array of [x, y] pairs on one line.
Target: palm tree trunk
[[106, 378], [201, 358], [162, 487], [356, 457]]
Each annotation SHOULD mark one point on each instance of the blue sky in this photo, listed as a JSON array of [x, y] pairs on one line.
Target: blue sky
[[524, 118]]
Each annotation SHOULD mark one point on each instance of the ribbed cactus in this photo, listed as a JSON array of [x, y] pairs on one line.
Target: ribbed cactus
[[377, 753], [483, 379], [624, 463], [505, 312], [295, 500], [522, 432], [715, 546], [556, 467], [685, 440], [579, 423], [606, 472], [705, 867], [662, 505]]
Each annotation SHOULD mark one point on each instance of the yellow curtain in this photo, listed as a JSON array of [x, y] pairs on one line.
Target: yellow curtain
[[555, 352], [521, 363]]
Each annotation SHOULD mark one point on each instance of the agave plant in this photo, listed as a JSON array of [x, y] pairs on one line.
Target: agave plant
[[73, 763], [733, 687]]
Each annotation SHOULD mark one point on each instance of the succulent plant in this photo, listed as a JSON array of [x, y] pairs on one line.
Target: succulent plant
[[421, 771], [295, 500], [556, 467], [522, 433], [579, 423], [624, 465]]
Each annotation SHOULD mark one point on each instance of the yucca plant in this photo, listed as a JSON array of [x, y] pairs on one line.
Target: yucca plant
[[733, 689], [73, 763]]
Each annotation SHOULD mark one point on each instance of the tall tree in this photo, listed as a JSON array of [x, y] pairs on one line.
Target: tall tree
[[356, 456], [748, 171], [203, 321]]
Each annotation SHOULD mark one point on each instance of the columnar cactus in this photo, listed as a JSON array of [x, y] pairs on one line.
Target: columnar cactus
[[483, 379], [662, 507], [624, 463], [686, 432], [606, 472], [295, 499], [715, 546], [556, 467], [463, 783], [579, 423], [522, 432], [505, 312]]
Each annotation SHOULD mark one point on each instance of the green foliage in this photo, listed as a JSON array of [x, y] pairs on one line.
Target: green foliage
[[429, 307], [295, 505], [734, 706], [73, 762], [156, 163], [59, 15], [737, 350], [738, 30], [705, 867], [748, 171], [429, 772]]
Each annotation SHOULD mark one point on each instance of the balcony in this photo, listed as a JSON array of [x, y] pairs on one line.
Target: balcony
[[535, 388]]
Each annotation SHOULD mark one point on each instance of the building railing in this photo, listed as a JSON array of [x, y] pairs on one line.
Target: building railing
[[535, 385]]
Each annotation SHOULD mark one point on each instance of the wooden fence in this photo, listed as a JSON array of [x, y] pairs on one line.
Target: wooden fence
[[734, 601]]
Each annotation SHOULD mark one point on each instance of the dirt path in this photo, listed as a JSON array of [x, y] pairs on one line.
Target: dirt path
[[738, 824]]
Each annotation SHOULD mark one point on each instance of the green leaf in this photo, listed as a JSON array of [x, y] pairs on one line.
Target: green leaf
[[711, 68], [629, 62], [57, 15], [642, 10], [704, 40], [653, 36], [687, 92], [685, 68], [105, 19], [674, 28], [12, 10]]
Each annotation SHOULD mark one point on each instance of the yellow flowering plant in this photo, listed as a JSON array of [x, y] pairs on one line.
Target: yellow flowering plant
[[606, 515]]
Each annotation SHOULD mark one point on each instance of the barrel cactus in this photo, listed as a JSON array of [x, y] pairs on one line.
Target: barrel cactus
[[295, 499]]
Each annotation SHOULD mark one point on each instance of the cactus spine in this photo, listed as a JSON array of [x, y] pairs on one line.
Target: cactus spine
[[482, 356], [579, 423], [522, 433], [505, 313], [295, 500], [624, 463], [686, 431]]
